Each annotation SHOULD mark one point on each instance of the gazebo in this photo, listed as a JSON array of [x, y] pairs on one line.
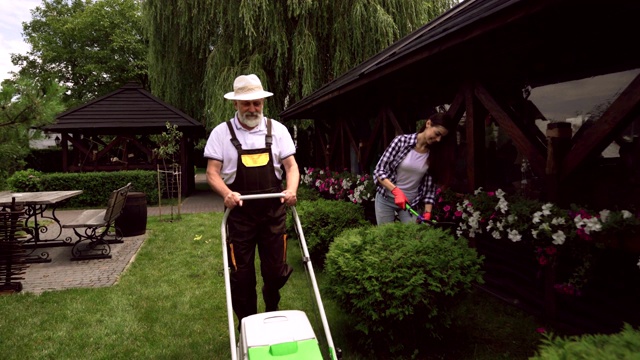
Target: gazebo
[[504, 69], [114, 132]]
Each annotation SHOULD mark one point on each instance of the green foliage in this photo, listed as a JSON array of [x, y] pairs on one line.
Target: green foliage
[[25, 181], [398, 280], [295, 47], [307, 193], [168, 143], [623, 345], [95, 186], [93, 46], [25, 105], [322, 221]]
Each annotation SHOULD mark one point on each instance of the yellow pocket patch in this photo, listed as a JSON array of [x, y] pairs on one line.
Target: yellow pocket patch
[[255, 160]]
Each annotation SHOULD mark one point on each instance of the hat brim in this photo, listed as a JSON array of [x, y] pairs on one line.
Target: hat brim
[[250, 96]]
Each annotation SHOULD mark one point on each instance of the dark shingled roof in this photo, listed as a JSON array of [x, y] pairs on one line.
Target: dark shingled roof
[[130, 109]]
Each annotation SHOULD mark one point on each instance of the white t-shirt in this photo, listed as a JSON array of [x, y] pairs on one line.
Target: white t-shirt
[[410, 173], [219, 146]]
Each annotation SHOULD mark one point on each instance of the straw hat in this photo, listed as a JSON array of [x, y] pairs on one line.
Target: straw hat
[[247, 87]]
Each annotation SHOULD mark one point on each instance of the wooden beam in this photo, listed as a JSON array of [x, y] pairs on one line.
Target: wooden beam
[[394, 121], [369, 143], [520, 140], [474, 134], [597, 137], [457, 108]]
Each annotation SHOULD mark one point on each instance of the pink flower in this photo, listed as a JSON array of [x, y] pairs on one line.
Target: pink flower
[[491, 193], [550, 250], [446, 208], [541, 330]]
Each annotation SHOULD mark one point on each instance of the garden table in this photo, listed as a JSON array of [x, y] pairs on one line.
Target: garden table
[[44, 230]]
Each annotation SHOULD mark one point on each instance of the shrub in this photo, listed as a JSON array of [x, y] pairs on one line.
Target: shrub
[[95, 186], [307, 193], [623, 345], [399, 282], [322, 220], [25, 180]]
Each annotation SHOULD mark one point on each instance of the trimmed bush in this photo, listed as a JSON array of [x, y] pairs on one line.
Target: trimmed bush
[[96, 186], [25, 180], [623, 345], [399, 282], [307, 193], [322, 220]]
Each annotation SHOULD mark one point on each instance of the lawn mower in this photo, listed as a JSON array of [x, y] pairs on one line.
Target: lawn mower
[[283, 334]]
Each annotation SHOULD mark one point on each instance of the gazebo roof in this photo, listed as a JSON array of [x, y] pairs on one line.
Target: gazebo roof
[[128, 110], [513, 43]]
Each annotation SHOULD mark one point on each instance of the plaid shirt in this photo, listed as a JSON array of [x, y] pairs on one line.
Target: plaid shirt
[[387, 168]]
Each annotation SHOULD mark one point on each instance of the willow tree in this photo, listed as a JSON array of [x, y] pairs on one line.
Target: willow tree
[[197, 47]]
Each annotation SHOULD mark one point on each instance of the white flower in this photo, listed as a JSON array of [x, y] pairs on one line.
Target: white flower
[[500, 225], [558, 238], [503, 205], [500, 193], [514, 235], [604, 215], [496, 234], [626, 214], [537, 217], [557, 221], [511, 219], [478, 191], [638, 262], [346, 184], [318, 183], [489, 225], [546, 208], [534, 232], [592, 225]]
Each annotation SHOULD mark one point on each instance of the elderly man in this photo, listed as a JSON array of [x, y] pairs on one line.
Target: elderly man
[[245, 156]]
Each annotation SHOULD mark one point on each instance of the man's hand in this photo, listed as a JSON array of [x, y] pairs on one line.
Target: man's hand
[[232, 199], [399, 198], [289, 198]]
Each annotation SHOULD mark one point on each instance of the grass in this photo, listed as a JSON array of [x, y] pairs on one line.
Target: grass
[[170, 304]]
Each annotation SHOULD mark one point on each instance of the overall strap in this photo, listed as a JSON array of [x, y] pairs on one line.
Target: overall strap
[[268, 140], [234, 139]]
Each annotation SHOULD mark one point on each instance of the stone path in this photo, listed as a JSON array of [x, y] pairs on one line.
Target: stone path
[[62, 273]]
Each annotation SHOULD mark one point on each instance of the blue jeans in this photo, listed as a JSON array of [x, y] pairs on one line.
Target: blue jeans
[[386, 210]]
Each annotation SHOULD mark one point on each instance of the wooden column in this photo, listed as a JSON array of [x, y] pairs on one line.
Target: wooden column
[[558, 145], [476, 151]]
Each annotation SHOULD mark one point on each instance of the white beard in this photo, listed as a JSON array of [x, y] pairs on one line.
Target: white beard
[[252, 120]]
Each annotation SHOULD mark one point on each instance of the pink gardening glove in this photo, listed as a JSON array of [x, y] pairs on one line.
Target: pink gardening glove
[[399, 198], [426, 216]]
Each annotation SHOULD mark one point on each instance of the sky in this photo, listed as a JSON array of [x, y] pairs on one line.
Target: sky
[[12, 14]]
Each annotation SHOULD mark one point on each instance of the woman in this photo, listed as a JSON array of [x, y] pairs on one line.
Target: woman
[[404, 173]]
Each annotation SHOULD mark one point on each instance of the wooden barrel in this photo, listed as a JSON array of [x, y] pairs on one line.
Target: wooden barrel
[[133, 220]]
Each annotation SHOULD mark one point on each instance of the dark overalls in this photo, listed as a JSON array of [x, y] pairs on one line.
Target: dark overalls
[[258, 222]]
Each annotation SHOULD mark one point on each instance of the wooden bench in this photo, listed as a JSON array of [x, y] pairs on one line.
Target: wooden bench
[[96, 228]]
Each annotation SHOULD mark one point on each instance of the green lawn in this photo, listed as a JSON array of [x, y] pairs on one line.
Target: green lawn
[[170, 304]]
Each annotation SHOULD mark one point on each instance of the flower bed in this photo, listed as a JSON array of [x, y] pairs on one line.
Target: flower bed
[[343, 185]]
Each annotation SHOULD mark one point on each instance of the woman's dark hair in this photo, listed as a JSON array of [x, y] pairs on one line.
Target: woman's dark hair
[[442, 155], [442, 118]]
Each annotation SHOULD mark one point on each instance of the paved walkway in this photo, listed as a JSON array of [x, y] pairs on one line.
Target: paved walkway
[[62, 273]]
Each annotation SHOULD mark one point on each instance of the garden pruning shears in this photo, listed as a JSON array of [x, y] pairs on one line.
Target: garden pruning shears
[[420, 218]]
